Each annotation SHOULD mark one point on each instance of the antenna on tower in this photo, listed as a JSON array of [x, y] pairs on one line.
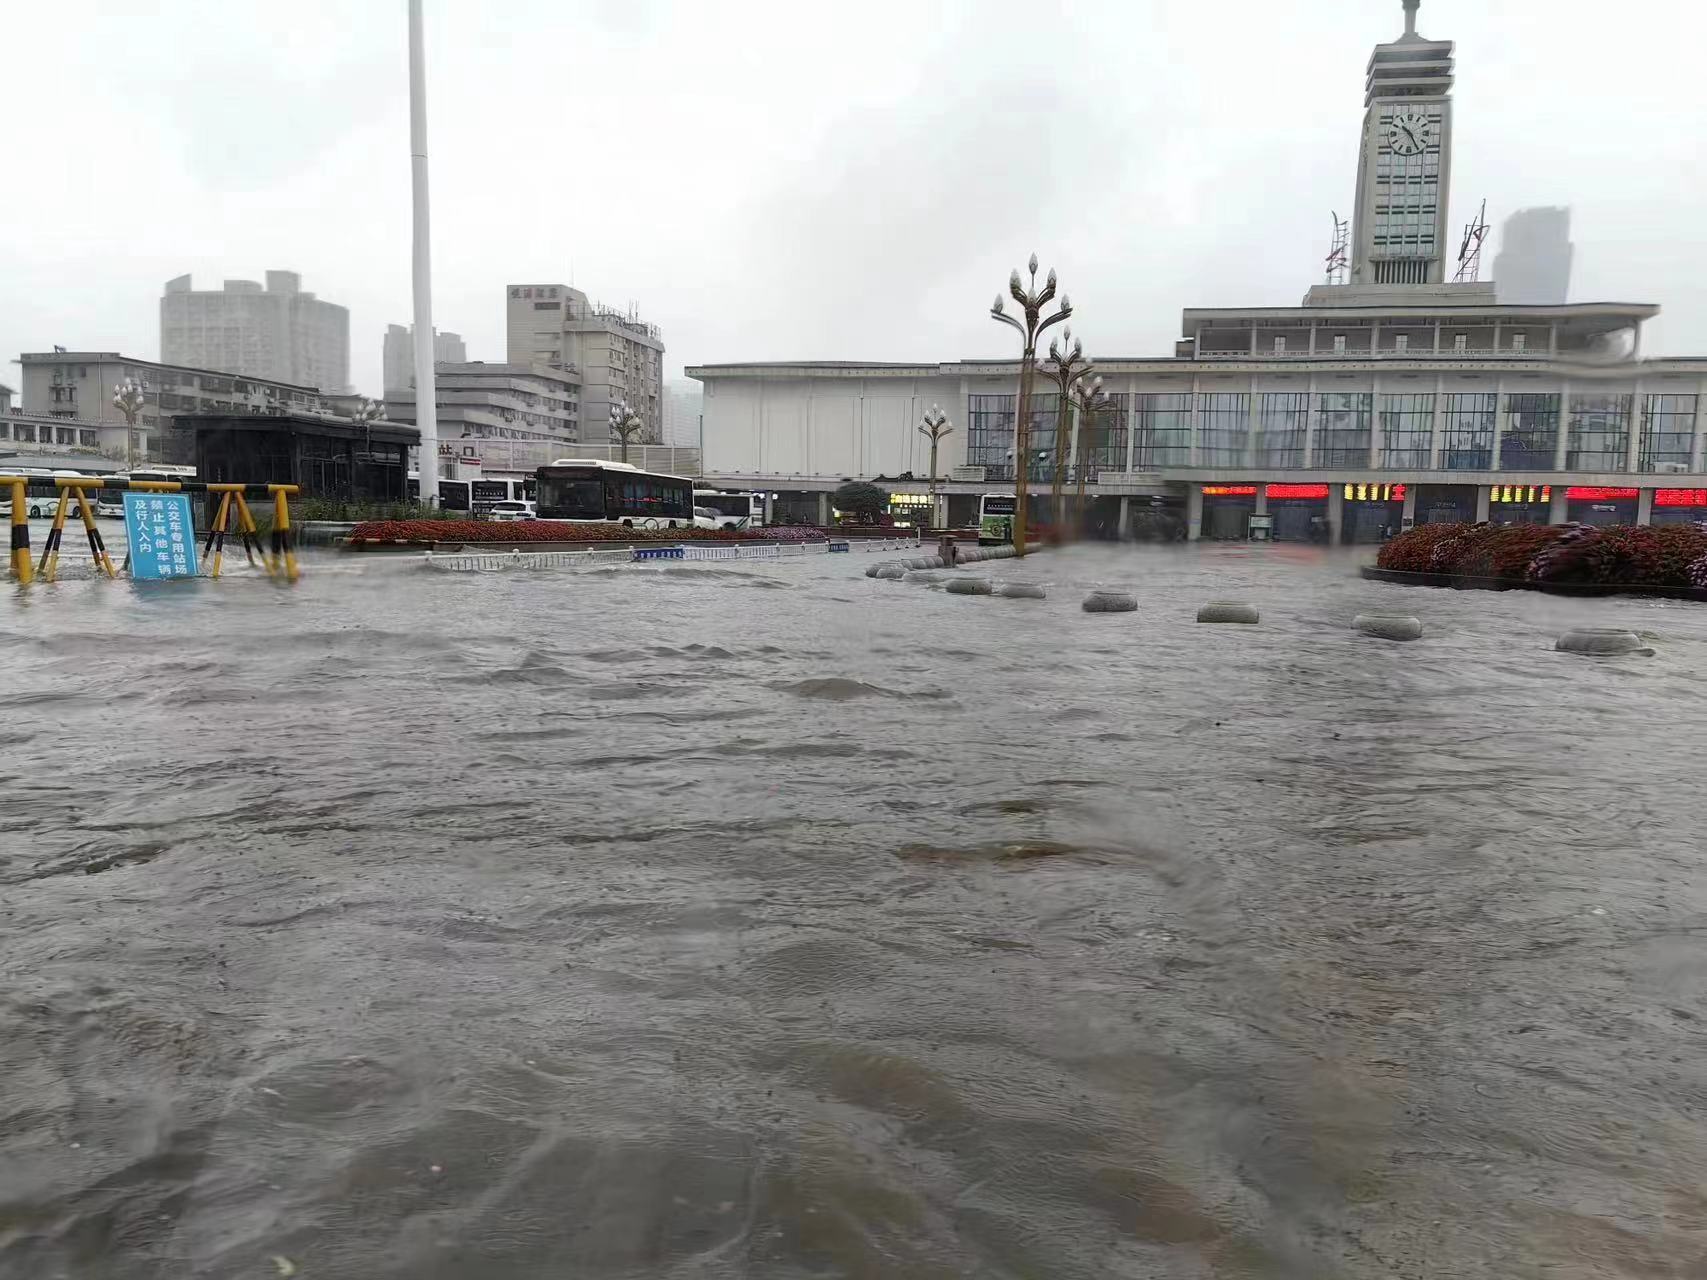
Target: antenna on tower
[[1470, 251], [1339, 254]]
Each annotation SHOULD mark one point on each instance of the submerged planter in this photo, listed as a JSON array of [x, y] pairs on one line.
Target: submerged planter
[[1388, 626], [893, 572], [1602, 641], [1228, 611], [1111, 602]]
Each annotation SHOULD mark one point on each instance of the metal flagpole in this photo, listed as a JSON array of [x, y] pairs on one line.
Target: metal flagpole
[[426, 397]]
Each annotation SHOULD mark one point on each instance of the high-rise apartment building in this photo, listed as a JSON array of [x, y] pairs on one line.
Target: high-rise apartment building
[[684, 402], [399, 355], [619, 357], [276, 331], [1534, 261]]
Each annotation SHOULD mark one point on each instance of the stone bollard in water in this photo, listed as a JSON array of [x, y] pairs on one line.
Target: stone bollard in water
[[1602, 642], [1228, 611], [1388, 626], [1022, 591], [1111, 602], [968, 587]]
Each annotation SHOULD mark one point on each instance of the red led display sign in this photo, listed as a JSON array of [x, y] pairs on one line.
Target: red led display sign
[[1680, 497], [1298, 491], [1229, 491], [1597, 493]]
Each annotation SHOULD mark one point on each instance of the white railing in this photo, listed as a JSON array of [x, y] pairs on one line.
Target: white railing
[[515, 558]]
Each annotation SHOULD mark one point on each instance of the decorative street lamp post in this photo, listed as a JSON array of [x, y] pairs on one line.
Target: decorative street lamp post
[[1068, 367], [1031, 301], [1091, 402], [625, 424], [935, 425], [128, 399]]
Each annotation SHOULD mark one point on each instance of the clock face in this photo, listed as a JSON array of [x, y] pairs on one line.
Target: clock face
[[1408, 134]]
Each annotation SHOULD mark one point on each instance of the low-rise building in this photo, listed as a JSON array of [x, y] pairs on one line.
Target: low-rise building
[[525, 415], [78, 387]]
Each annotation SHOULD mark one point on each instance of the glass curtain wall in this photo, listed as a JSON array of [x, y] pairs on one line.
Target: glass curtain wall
[[1600, 433], [1531, 432], [1283, 423], [1467, 430], [990, 435], [1163, 423], [1342, 428], [1043, 435], [1104, 443], [1407, 430], [1223, 428], [1668, 433]]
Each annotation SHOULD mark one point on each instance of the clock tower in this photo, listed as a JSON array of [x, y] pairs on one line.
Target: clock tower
[[1404, 166]]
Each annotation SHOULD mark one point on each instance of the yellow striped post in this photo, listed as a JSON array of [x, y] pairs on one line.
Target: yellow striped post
[[22, 569], [97, 544], [216, 535], [48, 570], [281, 529]]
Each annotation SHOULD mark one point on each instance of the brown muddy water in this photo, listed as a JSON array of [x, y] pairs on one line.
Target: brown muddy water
[[700, 921]]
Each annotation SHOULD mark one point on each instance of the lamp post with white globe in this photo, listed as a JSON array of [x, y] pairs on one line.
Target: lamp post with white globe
[[128, 399], [625, 424], [935, 425]]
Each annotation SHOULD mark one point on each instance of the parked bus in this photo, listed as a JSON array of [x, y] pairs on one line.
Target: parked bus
[[41, 494], [454, 495], [735, 509], [996, 518], [583, 489], [486, 494], [109, 503]]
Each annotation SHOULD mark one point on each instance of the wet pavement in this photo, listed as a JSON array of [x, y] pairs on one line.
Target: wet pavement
[[770, 920]]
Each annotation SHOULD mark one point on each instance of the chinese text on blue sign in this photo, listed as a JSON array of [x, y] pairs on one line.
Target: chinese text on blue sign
[[162, 539]]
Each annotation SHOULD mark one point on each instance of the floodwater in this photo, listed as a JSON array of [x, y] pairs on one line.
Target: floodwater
[[770, 920]]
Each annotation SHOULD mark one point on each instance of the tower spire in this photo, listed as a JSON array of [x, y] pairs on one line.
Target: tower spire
[[1411, 16]]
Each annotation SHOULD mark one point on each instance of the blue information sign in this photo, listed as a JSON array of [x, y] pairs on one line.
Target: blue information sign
[[162, 538]]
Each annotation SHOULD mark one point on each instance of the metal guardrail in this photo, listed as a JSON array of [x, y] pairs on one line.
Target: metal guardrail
[[515, 558]]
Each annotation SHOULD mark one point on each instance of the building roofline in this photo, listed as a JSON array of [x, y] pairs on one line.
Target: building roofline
[[102, 357], [1492, 310]]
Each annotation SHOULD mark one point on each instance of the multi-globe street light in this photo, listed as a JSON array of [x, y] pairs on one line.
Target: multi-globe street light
[[1090, 401], [935, 425], [1068, 367], [1031, 301], [128, 398], [625, 424]]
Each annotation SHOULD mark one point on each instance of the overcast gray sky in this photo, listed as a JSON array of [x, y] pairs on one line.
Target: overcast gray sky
[[767, 179]]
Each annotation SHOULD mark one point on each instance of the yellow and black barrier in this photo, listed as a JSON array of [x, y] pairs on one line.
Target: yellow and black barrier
[[280, 562]]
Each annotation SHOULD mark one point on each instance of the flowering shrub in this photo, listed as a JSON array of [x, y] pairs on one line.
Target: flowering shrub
[[790, 533], [1620, 555], [528, 531]]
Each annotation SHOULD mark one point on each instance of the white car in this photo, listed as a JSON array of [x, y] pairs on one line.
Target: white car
[[514, 509], [706, 518]]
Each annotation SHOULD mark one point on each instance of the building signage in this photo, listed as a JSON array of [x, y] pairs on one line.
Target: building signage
[[1374, 493], [161, 536], [1680, 497], [1524, 493], [1298, 491], [1598, 493], [909, 499], [1229, 491]]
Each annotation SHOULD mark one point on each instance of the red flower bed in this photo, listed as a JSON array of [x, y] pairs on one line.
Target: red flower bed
[[528, 531], [1620, 555]]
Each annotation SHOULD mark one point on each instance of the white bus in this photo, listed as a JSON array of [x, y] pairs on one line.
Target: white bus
[[735, 509], [41, 495], [454, 495], [487, 492], [586, 489], [110, 502]]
